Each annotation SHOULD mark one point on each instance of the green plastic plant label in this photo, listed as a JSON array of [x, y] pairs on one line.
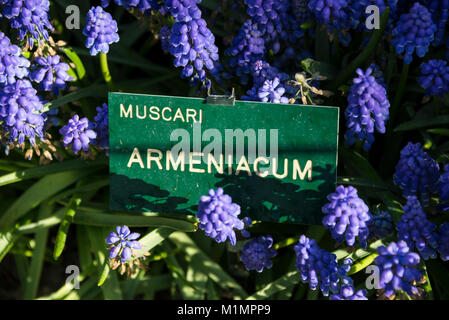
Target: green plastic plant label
[[278, 162]]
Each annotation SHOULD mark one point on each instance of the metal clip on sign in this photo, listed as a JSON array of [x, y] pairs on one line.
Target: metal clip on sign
[[222, 100]]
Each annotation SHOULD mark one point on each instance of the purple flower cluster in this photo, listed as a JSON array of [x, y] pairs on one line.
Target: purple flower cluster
[[443, 189], [347, 216], [440, 14], [257, 253], [348, 293], [102, 126], [142, 5], [368, 109], [218, 216], [100, 30], [79, 133], [51, 74], [246, 49], [122, 242], [417, 231], [414, 33], [398, 269], [275, 21], [30, 17], [335, 14], [13, 65], [435, 77], [191, 42], [271, 91], [319, 268], [19, 112], [417, 174], [382, 225]]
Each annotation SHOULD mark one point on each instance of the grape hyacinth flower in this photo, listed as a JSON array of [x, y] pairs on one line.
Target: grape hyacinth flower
[[101, 31], [349, 293], [417, 174], [122, 243], [256, 253], [144, 6], [347, 216], [79, 133], [443, 189], [19, 112], [30, 17], [368, 109], [218, 216], [51, 74], [319, 268], [272, 91], [440, 15], [246, 48], [13, 65], [191, 42], [435, 77], [102, 126], [382, 224], [414, 32], [443, 245], [398, 269], [417, 231], [333, 13]]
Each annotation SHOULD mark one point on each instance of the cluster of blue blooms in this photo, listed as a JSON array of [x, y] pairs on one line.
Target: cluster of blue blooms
[[348, 293], [417, 231], [417, 174], [102, 126], [30, 17], [435, 77], [100, 30], [368, 109], [122, 242], [382, 225], [78, 133], [320, 268], [51, 73], [20, 112], [347, 216], [414, 32], [256, 253], [218, 216], [398, 269]]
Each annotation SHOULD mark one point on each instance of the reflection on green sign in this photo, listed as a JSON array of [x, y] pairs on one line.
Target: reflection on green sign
[[278, 162]]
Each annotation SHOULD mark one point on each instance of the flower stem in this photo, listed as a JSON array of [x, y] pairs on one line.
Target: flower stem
[[105, 71], [399, 94], [364, 55]]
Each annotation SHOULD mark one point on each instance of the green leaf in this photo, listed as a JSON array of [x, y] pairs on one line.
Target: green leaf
[[112, 219], [95, 90], [440, 131], [38, 192], [282, 283], [349, 71], [111, 286], [37, 261], [423, 123], [324, 69], [152, 239], [206, 265], [79, 66], [362, 264], [36, 172], [63, 230], [7, 240]]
